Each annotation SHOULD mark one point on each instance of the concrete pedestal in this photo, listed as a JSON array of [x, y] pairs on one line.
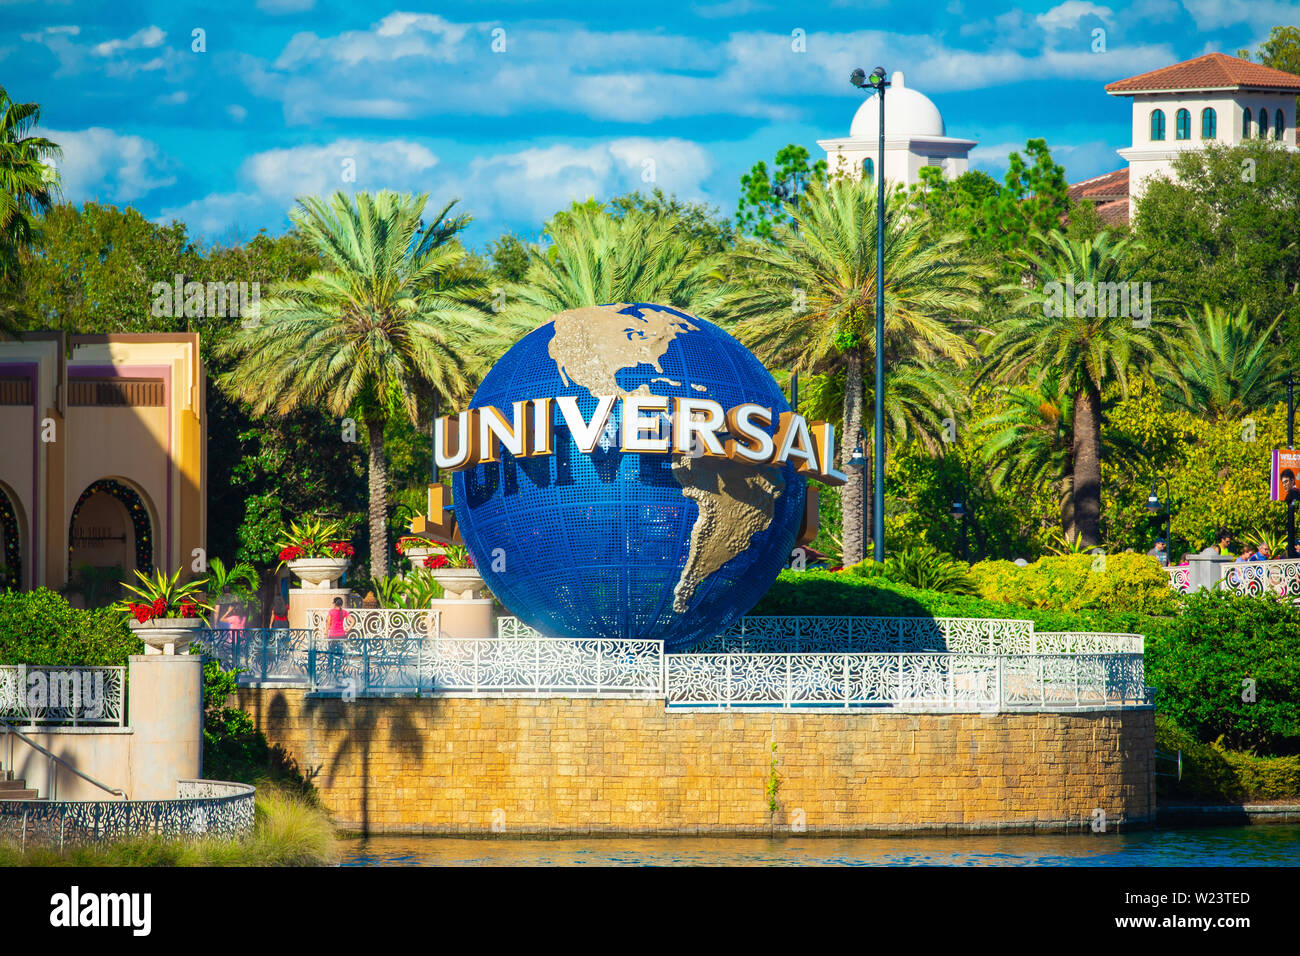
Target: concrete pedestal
[[166, 717], [302, 600], [1205, 570], [466, 619]]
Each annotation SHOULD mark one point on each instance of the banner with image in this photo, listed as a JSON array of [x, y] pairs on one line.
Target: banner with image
[[1285, 475]]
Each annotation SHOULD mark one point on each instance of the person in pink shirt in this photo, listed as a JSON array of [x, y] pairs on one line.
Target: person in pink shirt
[[336, 631]]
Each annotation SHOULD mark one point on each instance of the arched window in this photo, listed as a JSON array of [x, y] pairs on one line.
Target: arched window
[[1245, 124], [1183, 125], [1157, 125], [1279, 125], [1263, 123], [868, 168], [1209, 123]]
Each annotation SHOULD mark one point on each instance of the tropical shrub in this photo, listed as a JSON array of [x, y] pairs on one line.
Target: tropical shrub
[[233, 747], [1228, 667], [313, 539], [921, 566], [1211, 773], [164, 596], [40, 627], [1102, 582]]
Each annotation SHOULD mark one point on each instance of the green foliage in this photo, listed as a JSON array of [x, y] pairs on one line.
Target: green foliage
[[240, 578], [922, 567], [28, 180], [510, 256], [167, 588], [1078, 582], [1214, 774], [828, 592], [1223, 232], [40, 627], [1200, 659], [767, 202], [1227, 364], [1281, 49], [698, 223]]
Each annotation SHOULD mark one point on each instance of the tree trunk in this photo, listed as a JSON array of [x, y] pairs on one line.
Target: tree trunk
[[1065, 503], [853, 529], [378, 499], [1087, 465]]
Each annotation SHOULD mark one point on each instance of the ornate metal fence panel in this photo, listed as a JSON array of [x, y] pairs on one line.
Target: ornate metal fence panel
[[1263, 577], [201, 808], [260, 653], [1087, 642], [381, 622], [844, 634], [78, 696], [919, 682], [1180, 578], [543, 666]]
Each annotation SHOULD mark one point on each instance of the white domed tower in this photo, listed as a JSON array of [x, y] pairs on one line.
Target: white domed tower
[[914, 138]]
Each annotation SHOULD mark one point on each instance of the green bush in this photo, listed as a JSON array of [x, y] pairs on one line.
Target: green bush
[[1199, 660], [920, 566], [1214, 774], [1077, 582], [40, 627], [233, 747], [827, 592]]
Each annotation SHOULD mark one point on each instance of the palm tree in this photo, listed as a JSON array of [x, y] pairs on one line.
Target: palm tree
[[394, 316], [28, 183], [1045, 335], [807, 302], [595, 259], [1227, 364]]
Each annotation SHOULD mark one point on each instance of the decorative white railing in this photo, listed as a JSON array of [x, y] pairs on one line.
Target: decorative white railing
[[584, 668], [1180, 578], [1262, 577], [259, 654], [201, 807], [32, 696], [381, 622], [1087, 642], [919, 683]]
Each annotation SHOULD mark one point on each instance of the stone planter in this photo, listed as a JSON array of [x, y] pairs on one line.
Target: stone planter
[[417, 555], [319, 572], [167, 635], [459, 584]]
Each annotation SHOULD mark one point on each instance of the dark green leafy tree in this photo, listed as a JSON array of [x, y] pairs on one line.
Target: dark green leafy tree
[[1228, 364], [509, 255], [766, 200], [699, 223], [1223, 232]]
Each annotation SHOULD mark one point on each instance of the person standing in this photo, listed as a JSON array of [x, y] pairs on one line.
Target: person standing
[[279, 614], [336, 631], [1160, 551]]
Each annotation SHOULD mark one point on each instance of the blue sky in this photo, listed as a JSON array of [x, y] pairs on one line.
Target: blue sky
[[577, 99]]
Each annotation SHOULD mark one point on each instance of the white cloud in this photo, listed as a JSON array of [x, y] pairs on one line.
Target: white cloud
[[1259, 14], [236, 112], [528, 184], [1066, 16], [101, 164], [144, 39], [179, 98]]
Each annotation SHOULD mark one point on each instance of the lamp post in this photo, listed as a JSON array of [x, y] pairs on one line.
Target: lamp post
[[959, 511], [1290, 443], [878, 83], [859, 461], [1154, 506]]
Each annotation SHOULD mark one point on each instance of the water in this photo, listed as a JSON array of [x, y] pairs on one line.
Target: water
[[1271, 845]]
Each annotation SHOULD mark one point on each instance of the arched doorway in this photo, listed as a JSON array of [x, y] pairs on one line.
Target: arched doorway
[[110, 535], [11, 544]]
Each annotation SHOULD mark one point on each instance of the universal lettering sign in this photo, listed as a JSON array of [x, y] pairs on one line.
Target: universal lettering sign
[[651, 425]]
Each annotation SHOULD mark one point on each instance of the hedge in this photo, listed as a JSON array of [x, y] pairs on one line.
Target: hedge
[[1076, 582], [40, 627], [1214, 774]]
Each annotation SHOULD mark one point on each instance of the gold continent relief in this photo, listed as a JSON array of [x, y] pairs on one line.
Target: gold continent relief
[[735, 502]]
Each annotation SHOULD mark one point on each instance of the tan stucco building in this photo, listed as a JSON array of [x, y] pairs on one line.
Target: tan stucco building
[[102, 454]]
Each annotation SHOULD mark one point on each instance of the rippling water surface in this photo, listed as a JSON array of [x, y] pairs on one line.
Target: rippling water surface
[[1273, 845]]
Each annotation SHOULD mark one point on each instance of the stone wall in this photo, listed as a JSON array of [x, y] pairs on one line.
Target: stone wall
[[555, 765]]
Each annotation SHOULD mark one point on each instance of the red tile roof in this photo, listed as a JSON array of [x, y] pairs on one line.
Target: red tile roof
[[1109, 193], [1213, 71], [1110, 186]]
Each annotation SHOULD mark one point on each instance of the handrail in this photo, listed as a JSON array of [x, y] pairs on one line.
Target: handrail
[[11, 729]]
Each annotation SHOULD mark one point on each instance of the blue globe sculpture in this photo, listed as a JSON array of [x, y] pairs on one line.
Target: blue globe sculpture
[[671, 547]]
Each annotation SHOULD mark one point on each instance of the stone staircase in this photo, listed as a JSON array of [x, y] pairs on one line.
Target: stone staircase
[[11, 789]]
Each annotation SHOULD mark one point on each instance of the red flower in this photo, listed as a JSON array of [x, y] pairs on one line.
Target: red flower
[[435, 561], [341, 549], [838, 567], [469, 561], [159, 607], [141, 612], [188, 609], [291, 553]]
